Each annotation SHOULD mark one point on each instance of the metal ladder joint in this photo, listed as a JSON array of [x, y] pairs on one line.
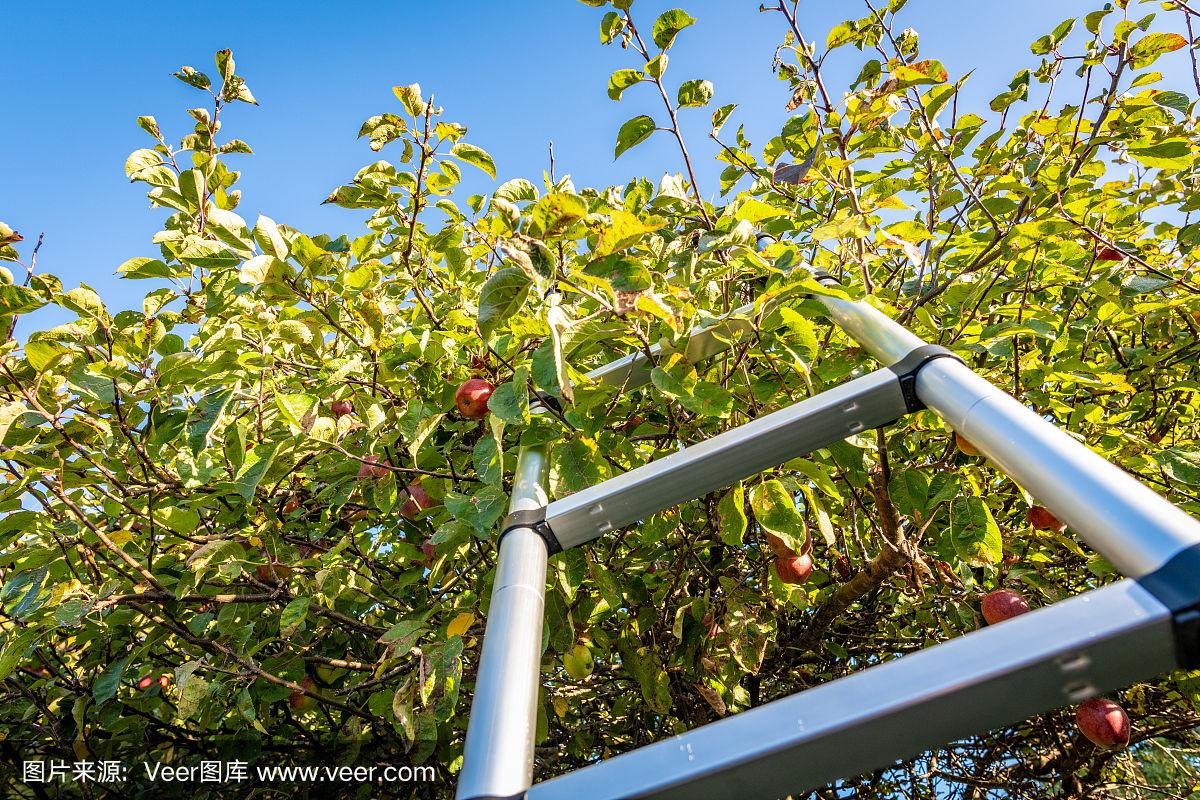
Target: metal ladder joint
[[535, 520], [1176, 584]]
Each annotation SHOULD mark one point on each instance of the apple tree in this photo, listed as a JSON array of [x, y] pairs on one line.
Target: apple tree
[[256, 516]]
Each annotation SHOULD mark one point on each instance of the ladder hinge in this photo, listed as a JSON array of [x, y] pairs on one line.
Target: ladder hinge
[[1176, 584], [906, 370], [534, 519]]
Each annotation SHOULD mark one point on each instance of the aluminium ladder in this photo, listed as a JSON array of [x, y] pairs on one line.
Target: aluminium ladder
[[1139, 627]]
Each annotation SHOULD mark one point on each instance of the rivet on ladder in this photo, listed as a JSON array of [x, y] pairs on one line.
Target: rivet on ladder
[[1079, 691], [1074, 662]]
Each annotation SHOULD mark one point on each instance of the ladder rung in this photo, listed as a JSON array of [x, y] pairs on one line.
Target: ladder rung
[[861, 404]]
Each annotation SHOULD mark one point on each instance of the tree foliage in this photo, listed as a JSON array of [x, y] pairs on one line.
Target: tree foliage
[[181, 500]]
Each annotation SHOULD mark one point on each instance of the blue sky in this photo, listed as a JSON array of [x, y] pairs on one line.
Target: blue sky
[[517, 74]]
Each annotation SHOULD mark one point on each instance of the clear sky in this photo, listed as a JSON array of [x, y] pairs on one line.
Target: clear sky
[[518, 74]]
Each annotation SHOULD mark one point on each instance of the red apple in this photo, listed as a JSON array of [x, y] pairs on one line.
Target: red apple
[[1003, 604], [1109, 254], [1041, 519], [1104, 722], [145, 683], [291, 504], [779, 547], [472, 398], [374, 467], [341, 408], [417, 501], [793, 569], [965, 446], [300, 702], [164, 681]]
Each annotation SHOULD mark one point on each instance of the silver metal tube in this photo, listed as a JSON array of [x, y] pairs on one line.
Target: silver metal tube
[[1039, 661], [633, 370], [498, 753], [1128, 523], [882, 336], [863, 403]]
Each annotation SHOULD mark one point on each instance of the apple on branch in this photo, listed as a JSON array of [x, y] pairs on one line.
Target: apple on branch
[[794, 569], [1003, 604], [1042, 519], [416, 500], [1103, 722], [472, 397], [300, 702], [374, 467]]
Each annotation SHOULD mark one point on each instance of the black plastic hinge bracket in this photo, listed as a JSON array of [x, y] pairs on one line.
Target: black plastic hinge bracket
[[906, 370], [1176, 585], [534, 519]]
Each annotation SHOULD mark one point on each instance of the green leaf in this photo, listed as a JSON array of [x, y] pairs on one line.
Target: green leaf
[[624, 230], [576, 465], [668, 25], [480, 509], [1146, 50], [9, 413], [633, 132], [909, 490], [18, 300], [487, 456], [1174, 100], [270, 239], [501, 297], [921, 72], [621, 80], [105, 687], [1051, 41], [298, 409], [973, 532], [16, 642], [257, 462], [775, 509], [731, 516], [84, 301], [292, 616], [516, 190], [842, 33], [695, 94], [555, 213], [1166, 154], [410, 96], [611, 26], [1180, 465], [146, 268], [192, 692], [475, 156], [204, 416], [657, 66], [403, 635], [720, 116]]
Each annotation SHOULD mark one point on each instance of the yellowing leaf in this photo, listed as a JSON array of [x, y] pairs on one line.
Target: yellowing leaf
[[460, 624]]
